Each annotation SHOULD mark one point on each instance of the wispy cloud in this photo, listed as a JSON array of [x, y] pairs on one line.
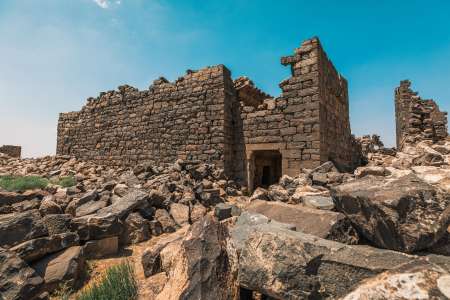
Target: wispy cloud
[[102, 3]]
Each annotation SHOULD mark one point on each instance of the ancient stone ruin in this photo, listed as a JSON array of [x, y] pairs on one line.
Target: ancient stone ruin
[[12, 151], [417, 119], [207, 116], [148, 178]]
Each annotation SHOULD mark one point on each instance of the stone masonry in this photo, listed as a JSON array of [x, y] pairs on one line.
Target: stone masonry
[[417, 119], [13, 151], [206, 116]]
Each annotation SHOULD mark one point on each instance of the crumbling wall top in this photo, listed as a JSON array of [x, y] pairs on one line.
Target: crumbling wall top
[[417, 119]]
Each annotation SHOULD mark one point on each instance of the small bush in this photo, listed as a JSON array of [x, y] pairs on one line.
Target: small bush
[[118, 283], [62, 292], [22, 183], [67, 181]]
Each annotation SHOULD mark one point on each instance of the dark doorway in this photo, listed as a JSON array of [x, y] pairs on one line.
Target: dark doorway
[[267, 168]]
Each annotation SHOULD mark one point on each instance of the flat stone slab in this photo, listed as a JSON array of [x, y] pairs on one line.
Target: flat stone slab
[[21, 227], [321, 223], [319, 202], [286, 264]]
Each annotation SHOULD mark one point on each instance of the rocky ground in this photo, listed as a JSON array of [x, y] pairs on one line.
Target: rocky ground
[[191, 233]]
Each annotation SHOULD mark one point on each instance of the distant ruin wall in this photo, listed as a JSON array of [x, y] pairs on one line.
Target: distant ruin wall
[[13, 151], [417, 119], [188, 119]]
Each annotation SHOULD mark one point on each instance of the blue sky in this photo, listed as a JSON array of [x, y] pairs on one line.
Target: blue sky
[[56, 53]]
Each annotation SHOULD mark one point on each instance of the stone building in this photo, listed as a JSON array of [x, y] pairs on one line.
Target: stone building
[[417, 119], [207, 116], [10, 150]]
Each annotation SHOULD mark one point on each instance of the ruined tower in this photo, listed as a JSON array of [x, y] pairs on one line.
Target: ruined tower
[[417, 119], [304, 127]]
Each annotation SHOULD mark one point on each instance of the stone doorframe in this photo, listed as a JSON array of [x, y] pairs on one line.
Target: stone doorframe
[[250, 150]]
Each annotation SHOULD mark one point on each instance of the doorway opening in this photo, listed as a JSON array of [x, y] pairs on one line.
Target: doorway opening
[[267, 168]]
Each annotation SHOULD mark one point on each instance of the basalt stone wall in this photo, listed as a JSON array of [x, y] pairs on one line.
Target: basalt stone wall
[[206, 116], [335, 134], [10, 150], [189, 119], [309, 123], [417, 119]]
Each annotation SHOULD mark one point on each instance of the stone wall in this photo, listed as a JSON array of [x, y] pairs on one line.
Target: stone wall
[[187, 119], [206, 116], [417, 119], [13, 151], [308, 124]]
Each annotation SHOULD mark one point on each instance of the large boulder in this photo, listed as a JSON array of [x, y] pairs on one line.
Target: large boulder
[[17, 280], [37, 248], [66, 266], [198, 266], [286, 264], [94, 227], [166, 221], [325, 224], [415, 280], [136, 229], [120, 209], [89, 208], [21, 227], [101, 248], [404, 214], [151, 259]]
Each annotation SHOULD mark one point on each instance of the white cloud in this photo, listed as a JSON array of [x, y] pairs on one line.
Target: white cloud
[[102, 3]]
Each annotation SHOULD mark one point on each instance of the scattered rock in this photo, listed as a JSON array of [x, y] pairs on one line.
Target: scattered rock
[[56, 224], [136, 229], [415, 280], [325, 224], [18, 228], [65, 266], [89, 208], [167, 223], [37, 248], [132, 200], [17, 280], [197, 212], [198, 266], [101, 248], [319, 202], [286, 264], [222, 211], [180, 213], [94, 227], [48, 206], [404, 214]]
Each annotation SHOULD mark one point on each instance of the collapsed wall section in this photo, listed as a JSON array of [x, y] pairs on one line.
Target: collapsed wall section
[[417, 119], [12, 151], [187, 119]]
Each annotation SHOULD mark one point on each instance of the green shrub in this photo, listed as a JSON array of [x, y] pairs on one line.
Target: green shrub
[[62, 292], [118, 283], [22, 183], [67, 181]]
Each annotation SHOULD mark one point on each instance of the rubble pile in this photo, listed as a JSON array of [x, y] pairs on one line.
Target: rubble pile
[[49, 233]]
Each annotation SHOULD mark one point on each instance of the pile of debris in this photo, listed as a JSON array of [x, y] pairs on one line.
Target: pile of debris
[[47, 234], [381, 230]]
